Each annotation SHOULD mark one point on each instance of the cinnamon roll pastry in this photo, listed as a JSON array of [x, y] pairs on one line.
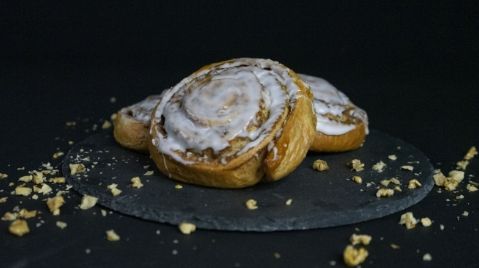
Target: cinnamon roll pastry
[[131, 124], [233, 124], [341, 125]]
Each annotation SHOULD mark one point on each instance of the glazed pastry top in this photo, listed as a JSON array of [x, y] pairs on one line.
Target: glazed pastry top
[[335, 113], [225, 108], [142, 110]]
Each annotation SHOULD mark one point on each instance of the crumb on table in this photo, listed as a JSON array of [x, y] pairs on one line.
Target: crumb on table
[[320, 165]]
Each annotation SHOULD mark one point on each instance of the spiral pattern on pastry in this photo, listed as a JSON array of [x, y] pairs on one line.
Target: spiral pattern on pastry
[[231, 123], [341, 125]]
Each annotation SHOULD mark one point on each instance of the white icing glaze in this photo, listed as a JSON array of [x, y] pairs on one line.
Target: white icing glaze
[[329, 100], [142, 110], [216, 105]]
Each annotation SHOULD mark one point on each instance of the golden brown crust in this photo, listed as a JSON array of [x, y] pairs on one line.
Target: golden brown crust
[[297, 128], [130, 133], [340, 143]]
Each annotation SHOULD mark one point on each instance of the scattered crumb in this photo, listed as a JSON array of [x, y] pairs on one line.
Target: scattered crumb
[[103, 212], [451, 182], [61, 224], [251, 204], [187, 228], [320, 165], [394, 246], [442, 227], [70, 123], [465, 213], [356, 165], [3, 176], [38, 177], [88, 202], [112, 99], [459, 197], [392, 157], [3, 199], [357, 179], [87, 251], [289, 202], [113, 189], [19, 228], [44, 189], [413, 184], [34, 196], [384, 192], [426, 222], [136, 182], [397, 188], [106, 125], [353, 257], [22, 190], [471, 188], [276, 255], [27, 178], [408, 220], [178, 186], [57, 155], [471, 153], [77, 168], [386, 183], [57, 180], [427, 257], [9, 216], [379, 166], [111, 235], [462, 164], [363, 239], [149, 173], [407, 167], [27, 214], [55, 203]]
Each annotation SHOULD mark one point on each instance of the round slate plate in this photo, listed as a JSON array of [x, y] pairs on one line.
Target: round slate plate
[[320, 199]]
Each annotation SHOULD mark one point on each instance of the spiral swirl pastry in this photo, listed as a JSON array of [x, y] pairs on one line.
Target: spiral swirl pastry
[[232, 124], [131, 124], [341, 125]]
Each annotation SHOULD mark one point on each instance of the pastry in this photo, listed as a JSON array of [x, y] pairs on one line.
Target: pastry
[[131, 124], [233, 124], [341, 125]]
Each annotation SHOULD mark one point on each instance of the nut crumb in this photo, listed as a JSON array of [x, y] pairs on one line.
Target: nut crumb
[[356, 165], [62, 225], [357, 179], [55, 203], [413, 184], [88, 202], [45, 189], [289, 202], [465, 213], [113, 189], [3, 176], [103, 212], [136, 182], [407, 167], [426, 222], [3, 199], [471, 188], [19, 228], [427, 257], [379, 166], [363, 239], [320, 165], [408, 220], [471, 153], [383, 192], [441, 227], [38, 177], [57, 180], [450, 182], [26, 178], [462, 164], [394, 246], [353, 257], [149, 173], [392, 157], [27, 214], [23, 191], [57, 155], [187, 228], [77, 169], [9, 216], [106, 125], [112, 236], [251, 204], [276, 255], [178, 186]]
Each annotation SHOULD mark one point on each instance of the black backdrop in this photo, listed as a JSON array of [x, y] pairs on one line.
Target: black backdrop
[[412, 65]]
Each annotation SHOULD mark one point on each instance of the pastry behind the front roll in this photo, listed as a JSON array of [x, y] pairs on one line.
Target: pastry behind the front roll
[[341, 125]]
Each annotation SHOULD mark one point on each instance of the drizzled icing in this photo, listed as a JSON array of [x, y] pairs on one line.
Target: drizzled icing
[[237, 99], [142, 110], [330, 101]]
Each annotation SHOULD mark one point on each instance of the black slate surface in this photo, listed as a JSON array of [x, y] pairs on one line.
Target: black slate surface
[[320, 199]]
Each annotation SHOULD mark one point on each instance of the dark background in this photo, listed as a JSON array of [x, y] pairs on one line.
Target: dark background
[[413, 66]]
